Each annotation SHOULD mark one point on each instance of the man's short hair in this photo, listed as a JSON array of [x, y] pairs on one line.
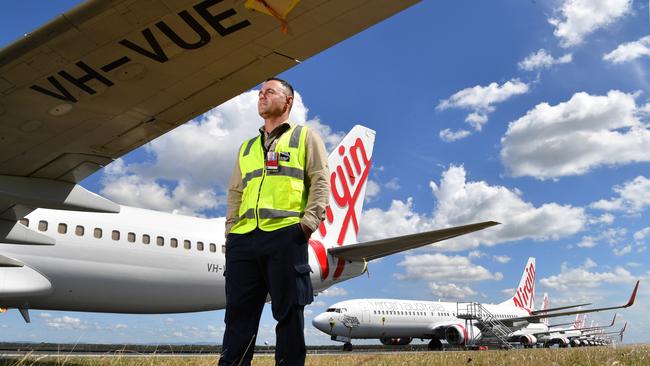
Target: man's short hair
[[284, 83]]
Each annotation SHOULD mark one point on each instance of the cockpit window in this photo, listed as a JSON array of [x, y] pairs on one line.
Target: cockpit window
[[336, 310]]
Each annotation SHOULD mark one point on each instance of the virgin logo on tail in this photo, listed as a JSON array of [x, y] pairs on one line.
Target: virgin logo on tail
[[347, 179], [524, 298]]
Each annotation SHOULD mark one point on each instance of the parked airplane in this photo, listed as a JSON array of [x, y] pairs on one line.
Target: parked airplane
[[399, 321], [394, 321], [560, 335]]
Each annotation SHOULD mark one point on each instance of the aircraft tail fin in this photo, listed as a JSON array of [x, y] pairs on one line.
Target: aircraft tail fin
[[544, 307], [524, 296], [349, 166]]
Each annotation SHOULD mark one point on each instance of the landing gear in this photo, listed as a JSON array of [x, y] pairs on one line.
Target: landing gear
[[435, 345], [347, 346]]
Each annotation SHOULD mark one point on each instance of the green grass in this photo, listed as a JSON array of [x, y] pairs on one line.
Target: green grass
[[589, 356]]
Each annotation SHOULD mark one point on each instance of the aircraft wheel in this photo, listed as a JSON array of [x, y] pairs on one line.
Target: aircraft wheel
[[347, 346], [435, 345]]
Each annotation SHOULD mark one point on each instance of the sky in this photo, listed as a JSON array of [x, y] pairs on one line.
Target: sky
[[531, 113]]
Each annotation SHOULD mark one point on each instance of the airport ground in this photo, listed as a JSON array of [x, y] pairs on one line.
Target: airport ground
[[627, 355]]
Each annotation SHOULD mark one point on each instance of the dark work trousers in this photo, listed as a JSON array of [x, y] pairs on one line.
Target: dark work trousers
[[260, 263]]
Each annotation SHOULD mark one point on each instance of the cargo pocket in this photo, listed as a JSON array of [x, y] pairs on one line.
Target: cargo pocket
[[304, 289]]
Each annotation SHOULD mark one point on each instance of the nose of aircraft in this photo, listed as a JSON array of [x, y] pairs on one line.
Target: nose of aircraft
[[322, 322]]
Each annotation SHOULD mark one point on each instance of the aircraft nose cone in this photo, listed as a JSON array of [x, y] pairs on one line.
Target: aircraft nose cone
[[322, 322]]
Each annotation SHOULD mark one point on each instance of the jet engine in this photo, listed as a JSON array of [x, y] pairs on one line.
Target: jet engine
[[458, 334], [387, 341], [528, 340], [561, 341]]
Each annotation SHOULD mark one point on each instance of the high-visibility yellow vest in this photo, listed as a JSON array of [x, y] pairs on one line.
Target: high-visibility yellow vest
[[272, 199]]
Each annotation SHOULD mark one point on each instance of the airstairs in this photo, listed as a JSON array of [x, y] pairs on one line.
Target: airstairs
[[493, 331]]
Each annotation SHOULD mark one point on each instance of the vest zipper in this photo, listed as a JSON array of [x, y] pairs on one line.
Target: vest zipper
[[259, 190]]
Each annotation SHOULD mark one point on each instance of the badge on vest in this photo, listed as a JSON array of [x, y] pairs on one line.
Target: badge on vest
[[284, 156], [271, 163]]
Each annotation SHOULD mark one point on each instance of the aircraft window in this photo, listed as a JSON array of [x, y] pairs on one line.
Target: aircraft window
[[97, 233], [42, 225], [199, 245], [115, 235], [63, 228], [173, 243], [160, 241], [187, 244], [329, 310], [223, 248], [213, 247], [79, 230], [131, 237], [25, 222], [146, 239]]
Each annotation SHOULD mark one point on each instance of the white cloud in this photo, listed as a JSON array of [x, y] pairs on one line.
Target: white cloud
[[448, 135], [629, 51], [641, 234], [317, 304], [459, 202], [393, 184], [372, 190], [475, 254], [574, 137], [399, 219], [542, 60], [622, 251], [45, 315], [481, 100], [508, 291], [66, 323], [576, 19], [447, 268], [570, 279], [587, 242], [633, 197], [502, 258], [333, 291], [450, 291], [605, 218], [192, 180]]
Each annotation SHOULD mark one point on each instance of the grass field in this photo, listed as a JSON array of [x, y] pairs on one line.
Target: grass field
[[591, 356]]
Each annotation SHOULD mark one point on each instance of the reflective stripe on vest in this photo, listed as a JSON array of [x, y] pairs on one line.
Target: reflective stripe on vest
[[272, 199]]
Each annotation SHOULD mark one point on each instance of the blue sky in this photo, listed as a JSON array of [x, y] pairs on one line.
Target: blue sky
[[531, 113]]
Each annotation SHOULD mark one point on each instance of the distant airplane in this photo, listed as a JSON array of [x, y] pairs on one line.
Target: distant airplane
[[394, 321]]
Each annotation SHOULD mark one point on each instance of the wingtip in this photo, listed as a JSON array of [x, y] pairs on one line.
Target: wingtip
[[633, 297]]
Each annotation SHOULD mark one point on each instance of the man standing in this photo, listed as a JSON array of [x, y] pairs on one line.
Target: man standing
[[277, 197]]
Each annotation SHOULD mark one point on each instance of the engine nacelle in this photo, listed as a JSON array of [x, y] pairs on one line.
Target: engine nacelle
[[388, 341], [458, 334], [561, 341], [528, 340]]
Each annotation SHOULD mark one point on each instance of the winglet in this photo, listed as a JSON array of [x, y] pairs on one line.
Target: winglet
[[613, 320], [633, 297]]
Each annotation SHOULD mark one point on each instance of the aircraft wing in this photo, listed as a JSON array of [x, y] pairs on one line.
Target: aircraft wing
[[536, 318], [109, 76], [380, 248], [543, 311]]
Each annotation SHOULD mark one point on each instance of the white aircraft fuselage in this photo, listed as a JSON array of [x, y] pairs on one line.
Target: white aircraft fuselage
[[121, 273], [381, 318]]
